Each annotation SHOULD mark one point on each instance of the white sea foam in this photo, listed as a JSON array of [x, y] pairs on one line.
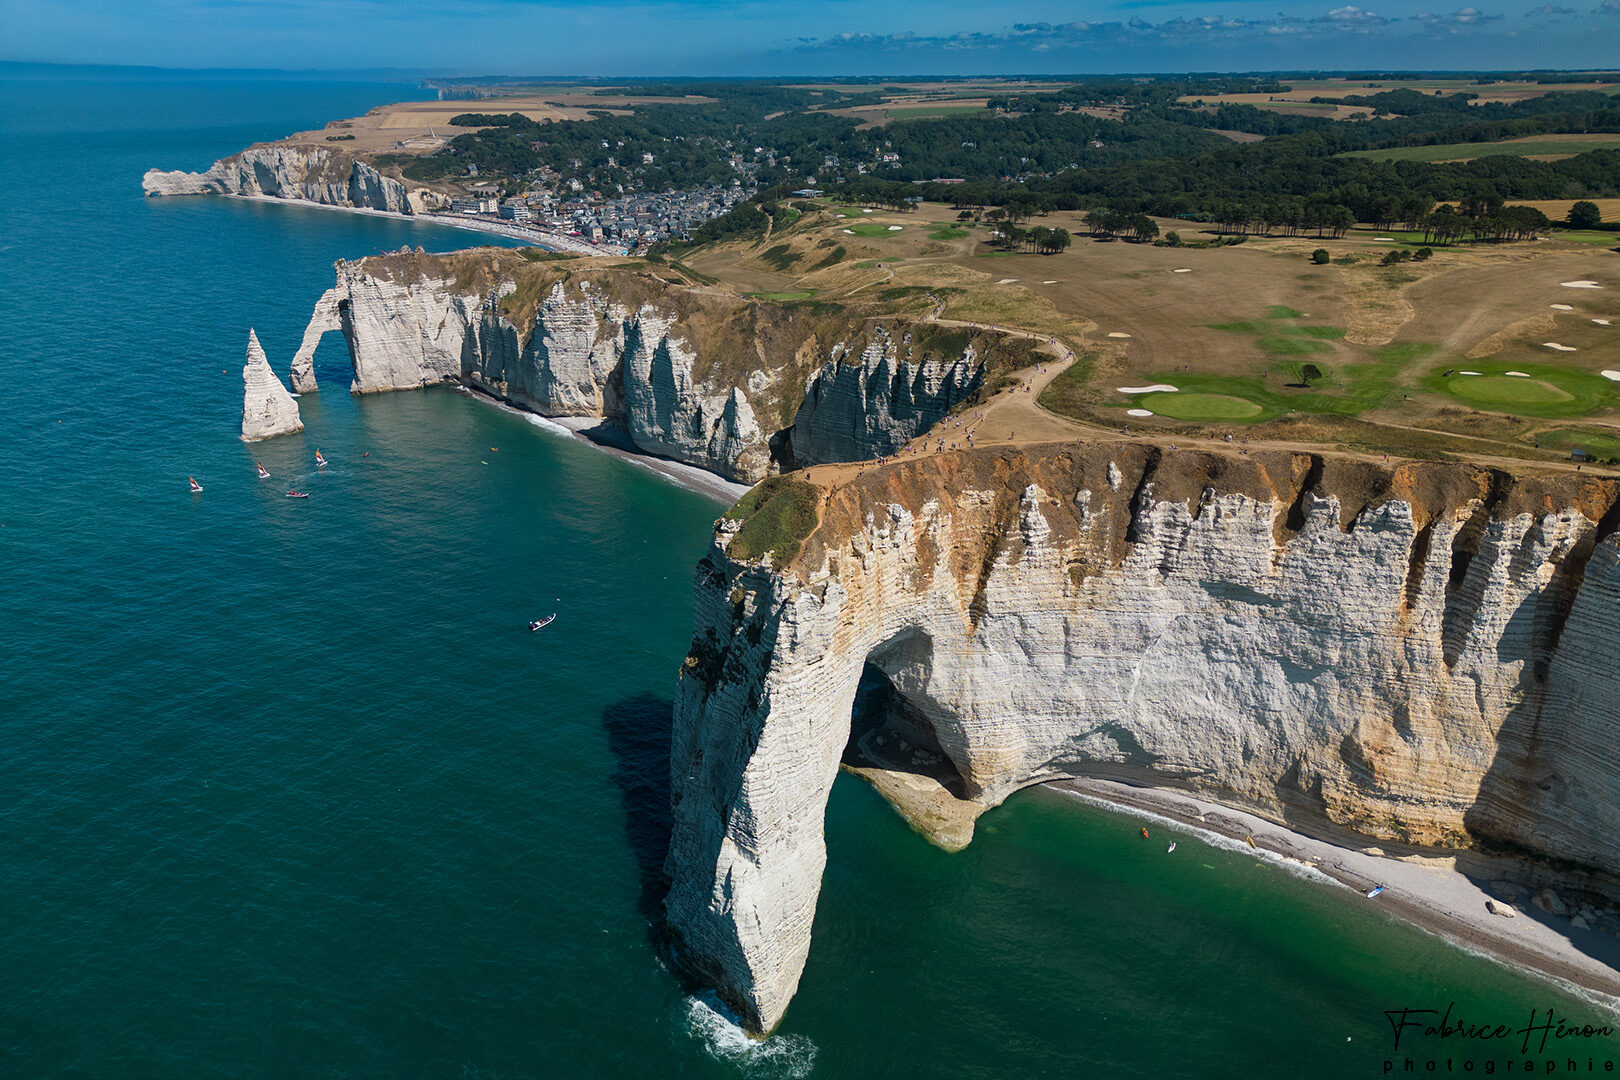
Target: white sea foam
[[788, 1056], [1156, 388], [547, 424]]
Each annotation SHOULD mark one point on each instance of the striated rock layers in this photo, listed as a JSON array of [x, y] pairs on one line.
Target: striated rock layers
[[267, 408], [1423, 654], [308, 173], [871, 408], [696, 376]]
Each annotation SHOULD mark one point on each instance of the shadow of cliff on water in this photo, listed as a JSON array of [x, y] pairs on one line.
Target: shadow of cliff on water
[[638, 730]]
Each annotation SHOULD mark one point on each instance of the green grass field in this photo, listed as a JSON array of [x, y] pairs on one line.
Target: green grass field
[[798, 294], [924, 112], [1201, 406], [848, 211], [1469, 151], [949, 232], [1548, 391], [1596, 443], [871, 229], [1590, 236]]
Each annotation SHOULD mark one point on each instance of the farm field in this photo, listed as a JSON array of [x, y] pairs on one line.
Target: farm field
[[1534, 146]]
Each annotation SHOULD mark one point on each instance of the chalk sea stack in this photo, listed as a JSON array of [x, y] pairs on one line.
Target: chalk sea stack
[[267, 408]]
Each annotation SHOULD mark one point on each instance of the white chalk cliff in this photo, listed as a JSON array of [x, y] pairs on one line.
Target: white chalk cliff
[[267, 408], [875, 405], [305, 173], [1423, 654], [708, 380]]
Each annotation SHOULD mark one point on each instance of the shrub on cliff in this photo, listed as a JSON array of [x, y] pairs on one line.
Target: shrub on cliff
[[776, 516]]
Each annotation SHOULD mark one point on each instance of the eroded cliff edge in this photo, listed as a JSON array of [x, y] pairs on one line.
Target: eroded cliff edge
[[300, 173], [691, 373], [1420, 653]]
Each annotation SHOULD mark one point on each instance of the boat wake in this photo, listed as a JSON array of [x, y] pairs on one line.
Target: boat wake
[[790, 1057]]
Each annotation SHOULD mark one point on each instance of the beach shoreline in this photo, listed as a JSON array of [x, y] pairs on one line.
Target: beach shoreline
[[603, 435], [540, 238], [1433, 893]]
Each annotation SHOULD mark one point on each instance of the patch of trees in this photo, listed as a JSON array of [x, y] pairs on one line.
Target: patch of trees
[[1485, 220], [1119, 223], [1040, 239]]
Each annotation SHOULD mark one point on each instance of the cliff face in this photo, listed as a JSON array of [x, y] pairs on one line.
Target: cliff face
[[871, 408], [267, 408], [700, 377], [309, 173], [1420, 654]]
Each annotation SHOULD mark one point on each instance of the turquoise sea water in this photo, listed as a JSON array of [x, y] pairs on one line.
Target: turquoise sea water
[[287, 790]]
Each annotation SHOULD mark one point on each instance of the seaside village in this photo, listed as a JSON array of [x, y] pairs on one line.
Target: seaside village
[[629, 222]]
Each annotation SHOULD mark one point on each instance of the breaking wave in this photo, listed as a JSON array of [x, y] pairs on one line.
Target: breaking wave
[[789, 1057]]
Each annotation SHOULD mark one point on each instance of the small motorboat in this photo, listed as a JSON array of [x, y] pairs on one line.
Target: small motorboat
[[1171, 848], [1374, 891], [296, 494], [196, 488], [319, 460], [541, 624], [264, 473]]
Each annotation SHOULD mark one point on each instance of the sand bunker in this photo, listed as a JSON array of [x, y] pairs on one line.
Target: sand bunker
[[1049, 283], [866, 211], [1006, 281], [1555, 347], [1580, 285], [1518, 374], [1468, 373], [1610, 374], [1156, 388], [896, 228], [1560, 307], [1183, 270], [1391, 239], [1117, 333], [851, 232], [1138, 412], [1601, 322]]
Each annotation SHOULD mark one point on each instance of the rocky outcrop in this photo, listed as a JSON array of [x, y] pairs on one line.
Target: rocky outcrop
[[267, 409], [308, 173], [1420, 655], [708, 380], [874, 406], [326, 317]]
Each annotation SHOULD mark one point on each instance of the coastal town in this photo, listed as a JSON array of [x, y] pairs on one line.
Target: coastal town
[[624, 224]]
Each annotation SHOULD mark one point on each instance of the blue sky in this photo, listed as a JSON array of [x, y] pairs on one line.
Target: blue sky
[[831, 37]]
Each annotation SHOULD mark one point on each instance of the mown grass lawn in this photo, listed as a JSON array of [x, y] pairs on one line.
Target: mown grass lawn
[[1547, 390]]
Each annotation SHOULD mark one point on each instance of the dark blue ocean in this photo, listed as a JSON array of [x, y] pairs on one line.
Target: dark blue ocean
[[288, 791]]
